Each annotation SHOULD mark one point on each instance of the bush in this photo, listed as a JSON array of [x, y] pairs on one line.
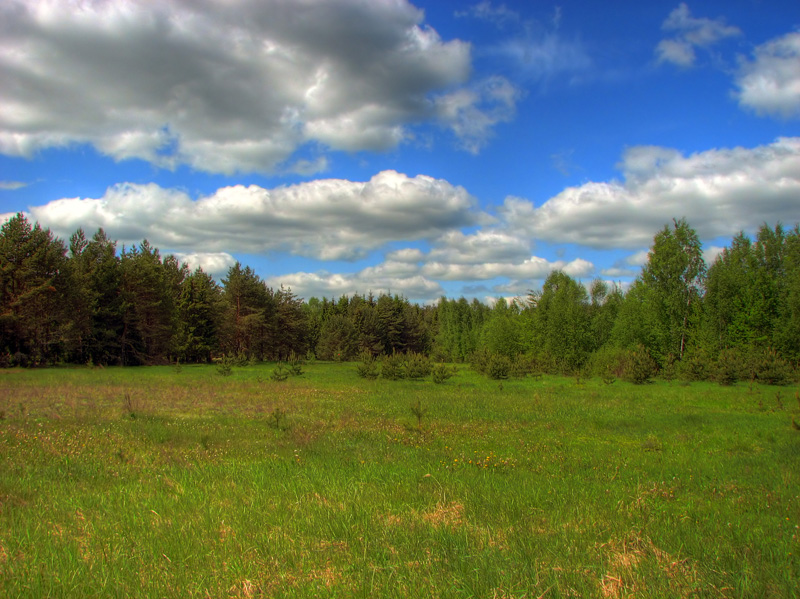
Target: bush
[[608, 362], [225, 366], [280, 373], [442, 372], [295, 365], [499, 367], [393, 367], [640, 367], [417, 366], [696, 365], [523, 365], [729, 367], [479, 360], [368, 367], [768, 367]]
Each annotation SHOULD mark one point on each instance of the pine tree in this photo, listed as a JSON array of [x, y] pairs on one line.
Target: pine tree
[[199, 312], [33, 280]]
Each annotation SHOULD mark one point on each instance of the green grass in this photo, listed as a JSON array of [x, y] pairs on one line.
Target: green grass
[[157, 483]]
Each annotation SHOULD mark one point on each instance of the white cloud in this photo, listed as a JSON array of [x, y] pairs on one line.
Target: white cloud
[[213, 263], [690, 33], [12, 185], [720, 192], [328, 219], [770, 83], [546, 55], [711, 253], [472, 113], [490, 245], [678, 52], [531, 268], [497, 14], [616, 272], [325, 284], [228, 85], [639, 258]]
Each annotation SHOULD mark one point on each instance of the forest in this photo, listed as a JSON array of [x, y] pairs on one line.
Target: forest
[[88, 302]]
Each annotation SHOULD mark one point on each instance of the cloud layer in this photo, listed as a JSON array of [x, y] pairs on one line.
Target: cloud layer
[[232, 85], [433, 233], [327, 219], [720, 192]]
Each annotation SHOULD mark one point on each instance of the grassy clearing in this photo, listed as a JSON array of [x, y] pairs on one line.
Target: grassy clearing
[[152, 482]]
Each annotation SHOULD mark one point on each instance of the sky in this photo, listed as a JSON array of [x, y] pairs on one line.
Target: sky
[[422, 149]]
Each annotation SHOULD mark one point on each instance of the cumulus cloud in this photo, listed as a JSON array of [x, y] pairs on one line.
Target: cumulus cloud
[[226, 85], [531, 268], [328, 219], [690, 33], [213, 263], [769, 84], [325, 284], [720, 192]]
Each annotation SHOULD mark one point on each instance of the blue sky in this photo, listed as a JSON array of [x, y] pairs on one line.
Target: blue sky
[[427, 148]]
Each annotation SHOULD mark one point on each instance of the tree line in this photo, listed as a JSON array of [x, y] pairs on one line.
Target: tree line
[[87, 301]]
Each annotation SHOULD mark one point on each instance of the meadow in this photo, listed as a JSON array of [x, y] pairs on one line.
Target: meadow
[[165, 482]]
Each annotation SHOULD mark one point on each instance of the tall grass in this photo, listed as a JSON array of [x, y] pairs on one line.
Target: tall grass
[[157, 483]]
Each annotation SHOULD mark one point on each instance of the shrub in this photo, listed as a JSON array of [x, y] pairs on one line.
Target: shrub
[[280, 373], [729, 367], [768, 367], [479, 360], [393, 367], [368, 367], [640, 367], [225, 366], [295, 365], [608, 362], [442, 372], [417, 366], [696, 365], [523, 365], [499, 367]]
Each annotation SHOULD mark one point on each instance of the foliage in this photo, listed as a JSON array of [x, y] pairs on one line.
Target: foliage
[[417, 366], [640, 366], [368, 367], [278, 420], [441, 373], [499, 367], [225, 366], [558, 322], [697, 364], [418, 411], [768, 367], [675, 273], [280, 373], [393, 367], [609, 361], [730, 366], [295, 364], [88, 303]]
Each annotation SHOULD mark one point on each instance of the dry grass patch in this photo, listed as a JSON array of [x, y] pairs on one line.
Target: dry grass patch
[[631, 562], [450, 515]]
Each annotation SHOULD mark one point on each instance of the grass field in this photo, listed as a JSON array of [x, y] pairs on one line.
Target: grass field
[[154, 482]]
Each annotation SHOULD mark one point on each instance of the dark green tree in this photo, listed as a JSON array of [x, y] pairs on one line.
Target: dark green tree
[[33, 282], [199, 315]]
